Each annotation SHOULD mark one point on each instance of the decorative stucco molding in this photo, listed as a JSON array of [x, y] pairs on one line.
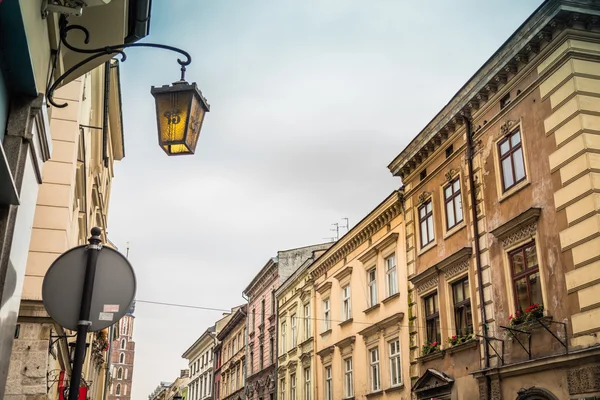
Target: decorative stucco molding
[[508, 126], [518, 229], [451, 173], [324, 288], [425, 280], [344, 273], [423, 197], [456, 269]]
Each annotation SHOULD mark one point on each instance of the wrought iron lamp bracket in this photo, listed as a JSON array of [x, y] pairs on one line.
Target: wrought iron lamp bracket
[[117, 49]]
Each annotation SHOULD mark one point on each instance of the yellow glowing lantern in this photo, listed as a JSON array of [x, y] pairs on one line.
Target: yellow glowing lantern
[[180, 111]]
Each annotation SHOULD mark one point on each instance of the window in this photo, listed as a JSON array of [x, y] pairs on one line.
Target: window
[[283, 338], [512, 165], [326, 315], [505, 101], [262, 312], [374, 370], [346, 306], [328, 384], [272, 350], [123, 343], [120, 373], [251, 362], [453, 201], [306, 383], [449, 151], [423, 175], [126, 373], [392, 276], [426, 223], [273, 303], [261, 356], [432, 318], [293, 387], [462, 307], [372, 282], [294, 332], [348, 381], [253, 320], [307, 332], [118, 391], [234, 346], [526, 277], [395, 369], [122, 358], [282, 387]]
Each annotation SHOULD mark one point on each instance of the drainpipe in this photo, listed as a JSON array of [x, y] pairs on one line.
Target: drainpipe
[[470, 155], [105, 116], [246, 352], [313, 369]]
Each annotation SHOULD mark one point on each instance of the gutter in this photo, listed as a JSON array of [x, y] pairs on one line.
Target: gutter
[[246, 352], [105, 115], [138, 20]]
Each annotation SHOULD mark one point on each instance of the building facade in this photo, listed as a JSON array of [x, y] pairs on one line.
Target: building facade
[[200, 357], [503, 292], [230, 357], [122, 358], [360, 308], [73, 197], [261, 382], [29, 42]]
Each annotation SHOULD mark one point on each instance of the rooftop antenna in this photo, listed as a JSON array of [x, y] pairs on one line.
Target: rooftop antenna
[[336, 230], [347, 226]]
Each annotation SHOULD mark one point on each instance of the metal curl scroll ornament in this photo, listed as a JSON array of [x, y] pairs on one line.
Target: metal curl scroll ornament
[[102, 51]]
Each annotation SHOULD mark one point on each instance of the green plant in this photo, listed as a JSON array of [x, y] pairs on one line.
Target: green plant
[[430, 348], [458, 339]]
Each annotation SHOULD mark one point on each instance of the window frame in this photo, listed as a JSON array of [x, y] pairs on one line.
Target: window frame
[[509, 154], [397, 359], [327, 314], [283, 337], [427, 218], [372, 287], [388, 274], [526, 273], [374, 370], [452, 199], [307, 379], [293, 386], [307, 330], [347, 302], [463, 307], [294, 330], [328, 375], [348, 377], [433, 318], [282, 387]]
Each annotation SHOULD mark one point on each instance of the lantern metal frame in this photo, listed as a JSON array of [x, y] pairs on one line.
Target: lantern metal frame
[[117, 49]]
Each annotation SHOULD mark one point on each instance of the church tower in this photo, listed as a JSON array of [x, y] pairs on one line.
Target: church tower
[[122, 356]]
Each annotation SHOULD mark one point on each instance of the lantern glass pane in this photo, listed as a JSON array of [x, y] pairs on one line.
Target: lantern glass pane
[[196, 118], [172, 109]]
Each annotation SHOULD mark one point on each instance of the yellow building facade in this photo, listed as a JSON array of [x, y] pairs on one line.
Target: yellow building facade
[[73, 198]]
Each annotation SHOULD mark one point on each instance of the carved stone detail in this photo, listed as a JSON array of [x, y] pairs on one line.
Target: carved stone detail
[[584, 379], [457, 269], [428, 284], [423, 197], [524, 233], [507, 126], [451, 173]]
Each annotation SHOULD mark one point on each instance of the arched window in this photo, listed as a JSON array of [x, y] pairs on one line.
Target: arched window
[[122, 358], [124, 326], [118, 391], [126, 373], [535, 394], [125, 390], [123, 343], [120, 373]]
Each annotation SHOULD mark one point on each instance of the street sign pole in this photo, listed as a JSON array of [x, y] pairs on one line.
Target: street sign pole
[[84, 322]]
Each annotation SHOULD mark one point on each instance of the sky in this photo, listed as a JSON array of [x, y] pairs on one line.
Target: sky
[[310, 101]]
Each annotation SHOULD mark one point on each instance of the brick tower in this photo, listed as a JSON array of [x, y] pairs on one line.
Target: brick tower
[[122, 357]]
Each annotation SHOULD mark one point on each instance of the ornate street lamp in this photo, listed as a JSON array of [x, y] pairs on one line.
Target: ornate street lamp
[[180, 108]]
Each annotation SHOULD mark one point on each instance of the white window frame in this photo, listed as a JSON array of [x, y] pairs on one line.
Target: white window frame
[[346, 302], [372, 286], [307, 332], [294, 330], [282, 387], [374, 369], [307, 383], [328, 383], [326, 314], [395, 361], [293, 386], [391, 274], [348, 378], [283, 338]]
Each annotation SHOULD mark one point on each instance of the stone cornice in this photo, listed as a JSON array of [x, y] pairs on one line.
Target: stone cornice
[[267, 271], [372, 252], [345, 342], [382, 215], [454, 258], [381, 325], [521, 226], [326, 351], [345, 272], [497, 71], [324, 288], [237, 318]]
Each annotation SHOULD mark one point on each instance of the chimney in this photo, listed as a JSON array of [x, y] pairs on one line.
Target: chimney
[[185, 373]]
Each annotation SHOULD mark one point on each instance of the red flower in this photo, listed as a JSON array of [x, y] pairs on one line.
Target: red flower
[[454, 337], [434, 344], [510, 317]]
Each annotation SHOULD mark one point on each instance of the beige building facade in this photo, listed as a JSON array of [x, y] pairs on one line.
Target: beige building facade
[[502, 221], [230, 357], [73, 198]]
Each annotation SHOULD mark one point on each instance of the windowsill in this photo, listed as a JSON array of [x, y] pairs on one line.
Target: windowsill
[[394, 388], [513, 190], [372, 308], [457, 228], [291, 352], [375, 393], [463, 346], [306, 341], [346, 322], [432, 356], [425, 249], [325, 333], [348, 398], [390, 298], [271, 317]]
